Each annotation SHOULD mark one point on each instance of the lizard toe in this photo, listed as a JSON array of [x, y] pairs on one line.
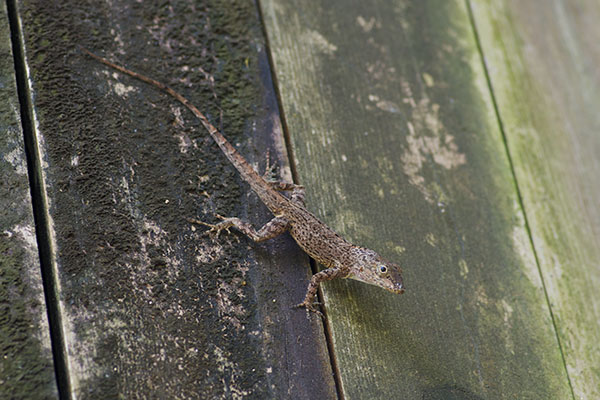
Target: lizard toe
[[310, 308]]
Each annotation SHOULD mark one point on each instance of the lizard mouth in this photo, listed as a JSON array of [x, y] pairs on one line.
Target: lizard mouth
[[398, 289]]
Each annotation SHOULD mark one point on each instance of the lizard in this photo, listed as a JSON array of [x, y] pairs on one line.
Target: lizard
[[340, 258]]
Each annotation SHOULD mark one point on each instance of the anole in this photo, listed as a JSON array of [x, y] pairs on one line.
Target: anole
[[341, 258]]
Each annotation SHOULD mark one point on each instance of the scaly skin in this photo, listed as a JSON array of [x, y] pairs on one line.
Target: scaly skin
[[341, 258]]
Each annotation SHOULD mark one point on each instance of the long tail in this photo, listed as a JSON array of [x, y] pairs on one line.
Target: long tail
[[257, 183]]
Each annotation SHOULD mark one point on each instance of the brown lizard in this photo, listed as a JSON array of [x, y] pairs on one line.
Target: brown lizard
[[341, 258]]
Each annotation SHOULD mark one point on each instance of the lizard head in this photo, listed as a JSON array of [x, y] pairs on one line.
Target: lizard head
[[369, 267]]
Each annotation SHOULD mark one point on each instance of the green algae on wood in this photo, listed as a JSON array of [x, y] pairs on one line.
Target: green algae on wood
[[26, 366], [543, 63], [396, 140]]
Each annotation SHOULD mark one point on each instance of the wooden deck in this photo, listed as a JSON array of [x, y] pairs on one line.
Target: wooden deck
[[459, 138]]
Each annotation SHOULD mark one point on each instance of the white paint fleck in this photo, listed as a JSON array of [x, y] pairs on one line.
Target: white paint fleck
[[27, 235], [364, 24], [427, 139], [16, 158], [522, 246], [384, 105], [481, 296], [428, 79], [122, 89], [508, 310], [321, 43], [399, 249], [464, 269], [431, 239]]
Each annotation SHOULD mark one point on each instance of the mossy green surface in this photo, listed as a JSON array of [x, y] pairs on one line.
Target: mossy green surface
[[543, 62], [397, 142]]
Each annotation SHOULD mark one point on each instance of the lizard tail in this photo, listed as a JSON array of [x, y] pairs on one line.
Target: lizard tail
[[239, 162]]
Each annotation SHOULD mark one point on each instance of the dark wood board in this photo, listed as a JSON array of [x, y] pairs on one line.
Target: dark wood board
[[26, 364], [152, 308]]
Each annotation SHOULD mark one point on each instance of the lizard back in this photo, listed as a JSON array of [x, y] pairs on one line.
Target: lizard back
[[316, 238]]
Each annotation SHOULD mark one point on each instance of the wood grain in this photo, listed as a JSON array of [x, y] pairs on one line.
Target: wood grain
[[26, 365], [543, 60], [396, 139], [152, 308]]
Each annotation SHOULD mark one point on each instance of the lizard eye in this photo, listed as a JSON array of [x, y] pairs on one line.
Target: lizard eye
[[383, 269]]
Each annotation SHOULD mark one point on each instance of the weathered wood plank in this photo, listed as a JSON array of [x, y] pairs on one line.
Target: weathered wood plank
[[26, 366], [543, 59], [396, 139], [152, 308]]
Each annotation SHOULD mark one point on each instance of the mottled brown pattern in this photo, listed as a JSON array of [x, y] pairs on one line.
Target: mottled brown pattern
[[342, 259]]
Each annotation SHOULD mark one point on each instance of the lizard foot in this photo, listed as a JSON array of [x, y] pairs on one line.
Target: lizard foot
[[215, 228], [269, 168], [310, 307]]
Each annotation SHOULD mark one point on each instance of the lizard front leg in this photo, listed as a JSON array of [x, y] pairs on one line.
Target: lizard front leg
[[338, 271], [271, 229]]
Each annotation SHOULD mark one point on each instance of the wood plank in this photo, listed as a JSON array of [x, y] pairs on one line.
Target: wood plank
[[152, 307], [26, 365], [543, 59], [395, 136]]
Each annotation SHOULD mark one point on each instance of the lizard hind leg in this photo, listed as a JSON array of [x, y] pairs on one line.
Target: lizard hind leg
[[271, 229]]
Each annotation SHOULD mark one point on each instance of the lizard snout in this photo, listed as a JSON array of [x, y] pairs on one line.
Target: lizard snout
[[398, 288]]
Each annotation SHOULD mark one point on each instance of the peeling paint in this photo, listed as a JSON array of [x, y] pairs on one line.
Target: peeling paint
[[464, 268], [367, 26], [320, 42], [428, 139], [15, 158]]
